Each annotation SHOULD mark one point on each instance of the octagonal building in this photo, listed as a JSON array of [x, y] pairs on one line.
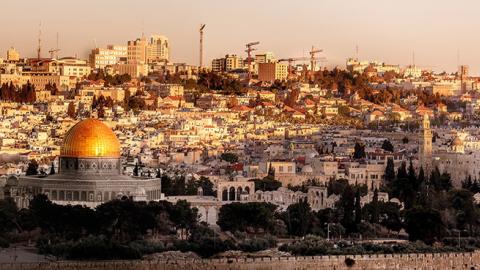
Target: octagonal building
[[89, 171]]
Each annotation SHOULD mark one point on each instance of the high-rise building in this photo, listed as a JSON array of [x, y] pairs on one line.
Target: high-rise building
[[103, 57], [12, 55], [272, 71], [232, 61], [266, 57], [137, 51], [228, 63], [158, 49], [218, 65]]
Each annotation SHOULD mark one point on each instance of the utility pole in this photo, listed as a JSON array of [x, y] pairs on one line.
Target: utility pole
[[202, 26]]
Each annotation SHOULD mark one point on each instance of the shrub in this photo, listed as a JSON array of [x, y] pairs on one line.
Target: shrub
[[257, 244], [349, 262]]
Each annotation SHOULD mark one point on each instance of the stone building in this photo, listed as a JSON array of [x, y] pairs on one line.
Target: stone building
[[89, 172]]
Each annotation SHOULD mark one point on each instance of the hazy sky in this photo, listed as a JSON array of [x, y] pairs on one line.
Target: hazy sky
[[439, 32]]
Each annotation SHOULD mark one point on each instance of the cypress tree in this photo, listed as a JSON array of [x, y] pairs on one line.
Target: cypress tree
[[389, 171]]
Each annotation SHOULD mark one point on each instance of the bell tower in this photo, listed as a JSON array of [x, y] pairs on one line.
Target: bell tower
[[425, 143]]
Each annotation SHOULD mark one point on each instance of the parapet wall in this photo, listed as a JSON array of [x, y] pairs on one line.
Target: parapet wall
[[371, 262]]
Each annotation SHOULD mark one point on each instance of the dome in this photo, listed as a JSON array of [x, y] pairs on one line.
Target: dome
[[90, 138], [307, 169], [457, 141]]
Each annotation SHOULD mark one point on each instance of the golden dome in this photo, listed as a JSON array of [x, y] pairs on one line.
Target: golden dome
[[90, 138]]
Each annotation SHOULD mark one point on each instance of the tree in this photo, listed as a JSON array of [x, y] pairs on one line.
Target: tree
[[375, 208], [167, 185], [390, 171], [266, 184], [358, 208], [347, 203], [136, 170], [424, 224], [461, 200], [299, 218], [191, 187], [52, 169], [32, 168], [359, 151], [387, 146], [402, 171], [71, 110], [405, 140], [206, 185], [229, 157], [241, 216]]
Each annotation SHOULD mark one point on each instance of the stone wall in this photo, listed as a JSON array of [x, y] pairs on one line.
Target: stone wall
[[371, 262]]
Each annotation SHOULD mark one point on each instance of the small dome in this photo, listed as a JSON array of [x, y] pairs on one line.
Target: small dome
[[307, 169], [457, 141]]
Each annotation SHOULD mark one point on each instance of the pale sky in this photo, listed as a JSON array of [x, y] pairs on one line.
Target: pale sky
[[439, 32]]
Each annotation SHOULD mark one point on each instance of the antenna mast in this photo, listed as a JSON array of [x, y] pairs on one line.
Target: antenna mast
[[39, 49]]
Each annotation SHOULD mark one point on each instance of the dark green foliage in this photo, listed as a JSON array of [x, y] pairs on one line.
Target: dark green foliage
[[32, 168], [257, 244], [242, 216], [387, 146], [52, 170], [229, 157], [299, 218], [347, 203], [315, 246], [337, 186], [266, 184], [359, 151], [390, 171], [358, 208], [424, 224]]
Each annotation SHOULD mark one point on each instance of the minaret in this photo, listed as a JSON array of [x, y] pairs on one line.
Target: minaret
[[425, 144]]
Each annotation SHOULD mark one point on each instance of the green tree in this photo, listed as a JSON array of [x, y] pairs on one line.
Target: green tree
[[52, 169], [347, 204], [358, 208], [266, 184], [387, 146], [299, 218], [424, 224], [32, 168], [229, 157], [242, 216], [390, 171], [359, 151]]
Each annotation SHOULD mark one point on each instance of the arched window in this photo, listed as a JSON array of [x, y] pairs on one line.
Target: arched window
[[224, 195], [239, 192], [231, 194]]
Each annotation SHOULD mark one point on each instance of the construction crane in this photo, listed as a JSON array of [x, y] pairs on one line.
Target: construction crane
[[313, 53], [292, 60], [54, 51], [249, 51], [202, 26]]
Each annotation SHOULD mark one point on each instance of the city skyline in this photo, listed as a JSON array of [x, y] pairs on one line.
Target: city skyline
[[382, 31]]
